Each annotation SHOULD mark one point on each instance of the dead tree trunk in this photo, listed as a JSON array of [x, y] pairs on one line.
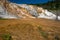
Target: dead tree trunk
[[56, 14]]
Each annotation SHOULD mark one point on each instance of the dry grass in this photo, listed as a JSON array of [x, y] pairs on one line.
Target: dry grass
[[31, 29]]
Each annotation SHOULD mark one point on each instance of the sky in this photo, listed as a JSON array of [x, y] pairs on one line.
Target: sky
[[29, 1]]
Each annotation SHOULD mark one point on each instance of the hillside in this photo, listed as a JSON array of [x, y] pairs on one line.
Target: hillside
[[27, 22], [50, 5], [30, 29], [10, 10]]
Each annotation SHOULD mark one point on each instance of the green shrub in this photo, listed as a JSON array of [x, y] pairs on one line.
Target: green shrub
[[6, 36]]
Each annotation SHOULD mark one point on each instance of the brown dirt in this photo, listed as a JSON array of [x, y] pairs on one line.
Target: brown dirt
[[31, 29]]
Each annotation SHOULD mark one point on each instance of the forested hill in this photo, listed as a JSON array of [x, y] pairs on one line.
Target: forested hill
[[50, 5]]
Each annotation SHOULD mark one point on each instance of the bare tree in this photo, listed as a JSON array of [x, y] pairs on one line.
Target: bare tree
[[57, 8]]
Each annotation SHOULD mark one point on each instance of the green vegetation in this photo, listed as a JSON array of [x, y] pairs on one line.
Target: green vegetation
[[6, 36], [44, 34], [50, 5]]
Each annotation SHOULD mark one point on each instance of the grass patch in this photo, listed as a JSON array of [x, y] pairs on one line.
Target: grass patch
[[6, 36], [44, 34]]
